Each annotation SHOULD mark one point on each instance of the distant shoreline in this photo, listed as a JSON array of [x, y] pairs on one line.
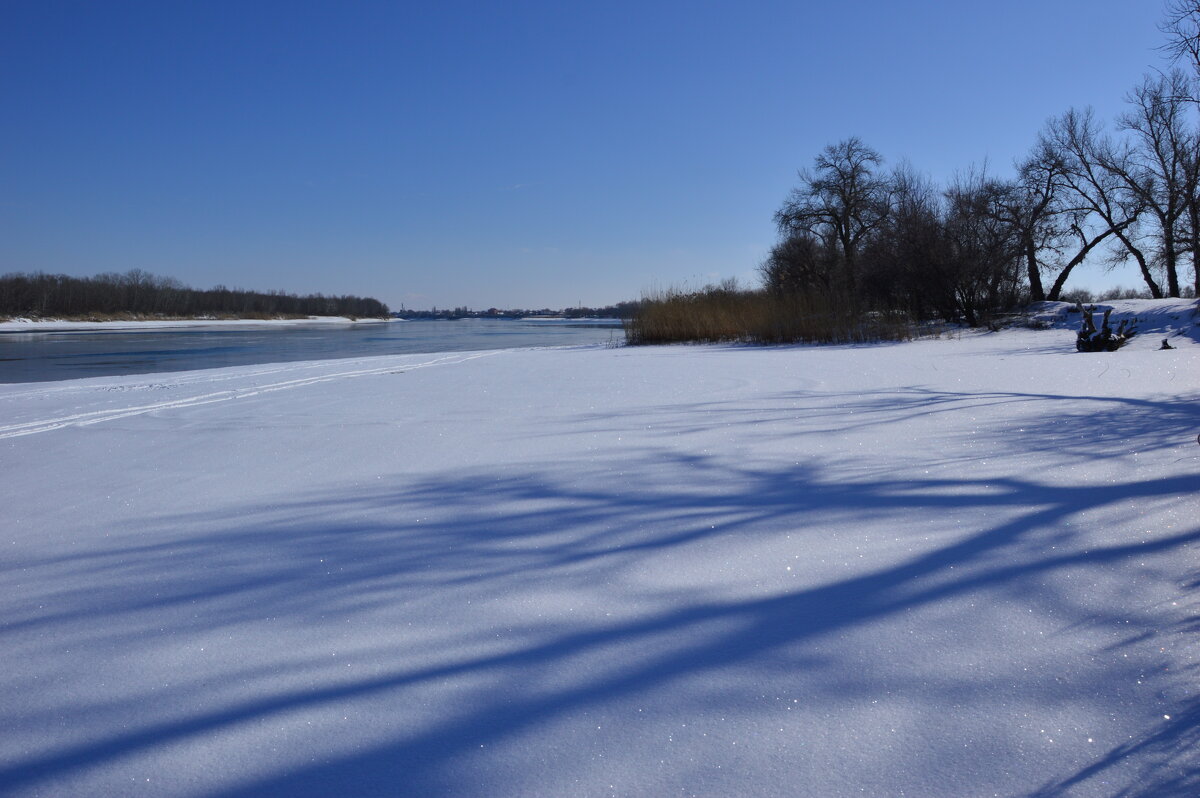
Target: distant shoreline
[[135, 325]]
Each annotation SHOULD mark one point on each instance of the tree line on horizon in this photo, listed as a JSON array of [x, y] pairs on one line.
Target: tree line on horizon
[[140, 293], [621, 310], [984, 244]]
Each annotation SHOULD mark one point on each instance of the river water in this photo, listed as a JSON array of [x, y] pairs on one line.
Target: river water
[[64, 355]]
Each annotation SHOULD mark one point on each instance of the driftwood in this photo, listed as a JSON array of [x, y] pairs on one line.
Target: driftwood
[[1105, 339]]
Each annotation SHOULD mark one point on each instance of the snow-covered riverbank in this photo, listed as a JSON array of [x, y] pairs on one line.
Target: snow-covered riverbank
[[952, 567]]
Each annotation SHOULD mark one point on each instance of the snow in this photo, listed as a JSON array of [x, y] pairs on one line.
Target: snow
[[1156, 318], [957, 566]]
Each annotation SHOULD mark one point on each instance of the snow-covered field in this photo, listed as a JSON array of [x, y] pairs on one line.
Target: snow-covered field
[[957, 567]]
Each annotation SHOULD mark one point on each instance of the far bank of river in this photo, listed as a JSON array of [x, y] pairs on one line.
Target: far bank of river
[[32, 353]]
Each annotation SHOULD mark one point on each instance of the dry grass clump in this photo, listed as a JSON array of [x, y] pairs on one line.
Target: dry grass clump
[[719, 314]]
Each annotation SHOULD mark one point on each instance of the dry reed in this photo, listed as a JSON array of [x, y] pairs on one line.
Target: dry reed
[[717, 314]]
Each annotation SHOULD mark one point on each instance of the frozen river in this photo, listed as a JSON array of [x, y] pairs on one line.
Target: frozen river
[[63, 355]]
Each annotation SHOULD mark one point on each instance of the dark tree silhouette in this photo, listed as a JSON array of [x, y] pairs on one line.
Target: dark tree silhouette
[[140, 293], [839, 202]]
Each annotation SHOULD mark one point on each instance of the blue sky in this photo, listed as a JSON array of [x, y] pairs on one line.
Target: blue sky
[[517, 154]]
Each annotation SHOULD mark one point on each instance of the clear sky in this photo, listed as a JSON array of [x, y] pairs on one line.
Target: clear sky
[[510, 154]]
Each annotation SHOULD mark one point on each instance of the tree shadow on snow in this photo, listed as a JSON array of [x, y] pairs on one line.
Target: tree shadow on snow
[[1088, 427], [496, 532]]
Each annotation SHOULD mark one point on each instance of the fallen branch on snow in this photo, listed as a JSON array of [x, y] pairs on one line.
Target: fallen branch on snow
[[1103, 340]]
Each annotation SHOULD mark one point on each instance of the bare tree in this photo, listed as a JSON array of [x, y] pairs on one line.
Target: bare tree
[[1101, 206], [1182, 28], [1157, 165], [907, 263], [839, 202], [1067, 204], [984, 252], [1031, 206]]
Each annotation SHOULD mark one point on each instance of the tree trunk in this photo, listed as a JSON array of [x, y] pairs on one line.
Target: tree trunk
[[1140, 257], [1036, 292], [1056, 289], [1171, 258]]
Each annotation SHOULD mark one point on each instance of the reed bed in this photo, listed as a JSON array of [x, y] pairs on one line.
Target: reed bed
[[718, 315]]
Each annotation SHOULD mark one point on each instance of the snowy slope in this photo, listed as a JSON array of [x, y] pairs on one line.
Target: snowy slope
[[1157, 319], [955, 567]]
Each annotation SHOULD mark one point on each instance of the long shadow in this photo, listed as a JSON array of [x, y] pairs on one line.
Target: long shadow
[[1164, 762], [498, 531], [1089, 427], [544, 529]]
